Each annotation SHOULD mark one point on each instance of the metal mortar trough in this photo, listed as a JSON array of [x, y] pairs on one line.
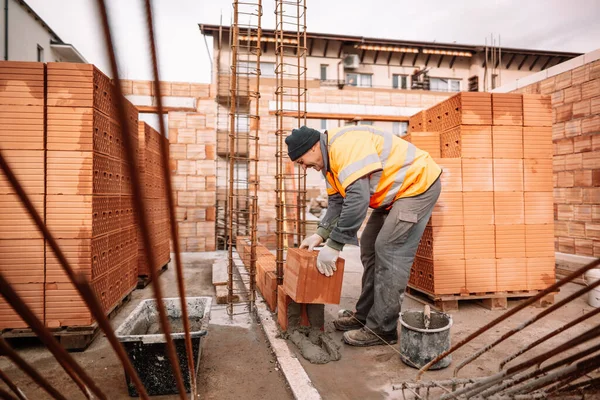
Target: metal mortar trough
[[145, 342], [418, 345]]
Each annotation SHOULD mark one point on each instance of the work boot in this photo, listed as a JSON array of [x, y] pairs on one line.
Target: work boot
[[364, 337], [347, 322]]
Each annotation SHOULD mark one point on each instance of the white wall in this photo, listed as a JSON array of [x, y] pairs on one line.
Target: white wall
[[24, 35]]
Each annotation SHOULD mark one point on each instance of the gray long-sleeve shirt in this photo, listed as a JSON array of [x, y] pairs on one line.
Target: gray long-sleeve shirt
[[344, 216]]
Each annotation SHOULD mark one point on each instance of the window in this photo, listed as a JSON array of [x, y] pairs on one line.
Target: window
[[400, 128], [494, 81], [400, 81], [249, 67], [444, 85], [40, 53], [360, 80], [365, 123], [324, 72], [324, 124]]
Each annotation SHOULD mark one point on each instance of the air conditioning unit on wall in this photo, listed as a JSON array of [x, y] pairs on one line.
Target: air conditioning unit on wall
[[351, 61]]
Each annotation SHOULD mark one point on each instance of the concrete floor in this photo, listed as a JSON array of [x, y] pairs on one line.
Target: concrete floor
[[236, 359], [238, 363], [370, 372]]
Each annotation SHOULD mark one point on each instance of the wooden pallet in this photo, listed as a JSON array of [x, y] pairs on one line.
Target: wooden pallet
[[144, 280], [72, 338], [491, 301]]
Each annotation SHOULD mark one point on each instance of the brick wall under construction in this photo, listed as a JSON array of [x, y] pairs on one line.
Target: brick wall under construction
[[492, 228], [575, 98]]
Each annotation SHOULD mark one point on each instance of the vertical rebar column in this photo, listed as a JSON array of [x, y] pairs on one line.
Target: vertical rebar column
[[231, 158], [222, 149], [243, 140], [290, 94]]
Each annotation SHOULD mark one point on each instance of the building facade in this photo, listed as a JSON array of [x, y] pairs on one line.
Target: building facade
[[349, 80], [24, 36]]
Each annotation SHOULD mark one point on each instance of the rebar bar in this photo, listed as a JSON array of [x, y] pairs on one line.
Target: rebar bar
[[139, 201], [29, 370], [79, 376], [527, 323], [549, 336], [243, 134], [6, 396], [508, 314], [164, 153], [488, 382], [14, 388], [290, 187]]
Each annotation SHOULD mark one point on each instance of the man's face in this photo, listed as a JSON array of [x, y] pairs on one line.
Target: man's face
[[312, 158]]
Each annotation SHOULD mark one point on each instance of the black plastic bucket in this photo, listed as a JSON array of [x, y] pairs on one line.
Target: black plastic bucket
[[419, 346], [146, 345]]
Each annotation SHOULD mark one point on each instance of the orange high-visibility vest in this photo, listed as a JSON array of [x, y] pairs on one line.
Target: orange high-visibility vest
[[396, 168]]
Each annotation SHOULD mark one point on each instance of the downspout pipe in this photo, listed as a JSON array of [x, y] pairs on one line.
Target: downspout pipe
[[6, 30]]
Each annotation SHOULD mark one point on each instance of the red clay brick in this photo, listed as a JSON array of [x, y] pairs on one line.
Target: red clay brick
[[583, 178], [582, 144], [584, 247], [572, 128], [591, 195], [590, 89], [591, 125], [558, 130], [305, 284], [582, 212], [564, 179], [563, 113], [572, 94], [592, 230], [564, 146], [566, 245], [582, 108]]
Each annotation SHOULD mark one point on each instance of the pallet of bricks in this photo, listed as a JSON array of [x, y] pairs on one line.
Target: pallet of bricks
[[491, 234], [151, 167], [266, 269], [87, 202]]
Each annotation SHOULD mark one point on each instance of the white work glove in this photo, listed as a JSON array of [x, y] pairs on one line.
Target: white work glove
[[311, 242], [326, 260]]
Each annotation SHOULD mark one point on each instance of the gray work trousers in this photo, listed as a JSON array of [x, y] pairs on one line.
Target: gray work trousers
[[388, 247]]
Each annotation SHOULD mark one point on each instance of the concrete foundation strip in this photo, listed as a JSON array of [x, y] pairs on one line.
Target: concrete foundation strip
[[295, 375]]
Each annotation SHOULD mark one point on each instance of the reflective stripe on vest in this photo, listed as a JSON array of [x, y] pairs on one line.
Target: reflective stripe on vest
[[410, 157]]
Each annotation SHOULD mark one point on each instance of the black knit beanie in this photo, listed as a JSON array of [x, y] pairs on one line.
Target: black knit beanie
[[300, 141]]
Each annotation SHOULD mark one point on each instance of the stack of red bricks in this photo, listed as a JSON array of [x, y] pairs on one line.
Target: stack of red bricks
[[22, 143], [89, 203], [152, 179], [83, 189], [492, 229]]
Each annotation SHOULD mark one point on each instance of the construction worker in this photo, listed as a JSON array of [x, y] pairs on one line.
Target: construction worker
[[367, 167]]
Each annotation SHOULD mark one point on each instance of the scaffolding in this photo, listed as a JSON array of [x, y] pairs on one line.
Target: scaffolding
[[242, 154], [291, 96]]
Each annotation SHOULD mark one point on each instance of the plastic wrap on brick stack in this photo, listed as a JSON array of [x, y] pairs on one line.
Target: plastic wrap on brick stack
[[22, 143], [89, 207], [492, 228], [151, 167]]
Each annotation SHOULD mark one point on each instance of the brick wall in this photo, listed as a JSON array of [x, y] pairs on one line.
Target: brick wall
[[192, 139], [576, 136]]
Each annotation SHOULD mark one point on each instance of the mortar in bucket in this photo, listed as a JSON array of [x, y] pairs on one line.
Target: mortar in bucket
[[590, 277], [145, 343], [424, 335]]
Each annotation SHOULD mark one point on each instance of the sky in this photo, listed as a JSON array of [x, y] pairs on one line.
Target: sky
[[559, 25]]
